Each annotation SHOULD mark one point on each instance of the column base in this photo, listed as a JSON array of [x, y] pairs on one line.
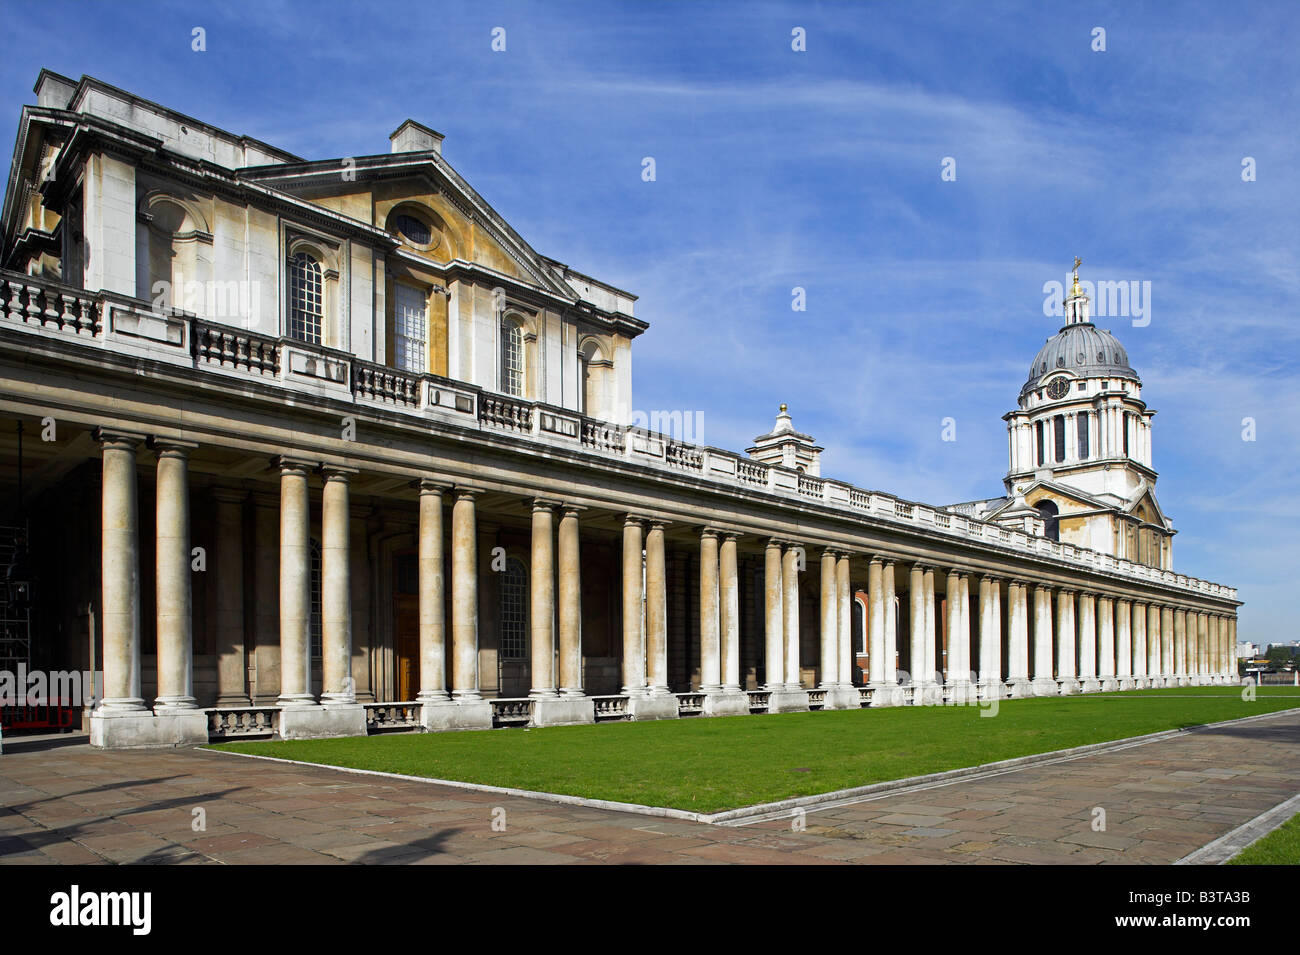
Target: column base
[[927, 694], [1141, 683], [1043, 686], [1090, 684], [321, 722], [788, 700], [1109, 684], [660, 706], [991, 690], [1069, 686], [456, 715], [841, 697], [562, 711], [133, 729], [1126, 683], [726, 703]]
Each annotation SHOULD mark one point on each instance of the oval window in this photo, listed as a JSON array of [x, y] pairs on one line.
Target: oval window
[[412, 229]]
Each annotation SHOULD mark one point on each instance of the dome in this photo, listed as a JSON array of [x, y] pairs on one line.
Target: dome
[[1083, 349]]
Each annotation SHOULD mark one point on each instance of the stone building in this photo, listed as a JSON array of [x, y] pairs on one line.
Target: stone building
[[317, 447]]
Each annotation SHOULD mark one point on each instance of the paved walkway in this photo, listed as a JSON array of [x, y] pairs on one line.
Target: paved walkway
[[61, 801]]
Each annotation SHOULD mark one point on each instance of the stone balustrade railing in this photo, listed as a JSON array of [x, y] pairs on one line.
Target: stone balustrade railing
[[610, 707], [690, 704], [242, 722], [32, 302], [386, 717], [512, 712], [816, 699], [759, 700]]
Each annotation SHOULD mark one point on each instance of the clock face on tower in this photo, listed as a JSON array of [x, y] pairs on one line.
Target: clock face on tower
[[1057, 388]]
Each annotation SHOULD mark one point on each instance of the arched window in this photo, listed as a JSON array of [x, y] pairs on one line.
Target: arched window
[[512, 358], [306, 298], [1058, 426], [1051, 520], [1083, 435], [410, 324], [584, 382], [1038, 440], [859, 628], [514, 611]]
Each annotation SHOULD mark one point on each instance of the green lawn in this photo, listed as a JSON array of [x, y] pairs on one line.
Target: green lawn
[[708, 765], [1279, 847]]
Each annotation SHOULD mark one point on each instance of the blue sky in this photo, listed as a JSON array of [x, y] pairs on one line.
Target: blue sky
[[821, 169]]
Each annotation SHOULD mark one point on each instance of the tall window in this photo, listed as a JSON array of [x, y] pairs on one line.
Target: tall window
[[306, 299], [410, 343], [1038, 438], [1051, 520], [1083, 435], [1058, 425], [584, 371], [514, 611], [512, 358], [1126, 417], [315, 600]]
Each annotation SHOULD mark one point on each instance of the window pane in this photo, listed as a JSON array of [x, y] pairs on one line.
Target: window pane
[[1059, 422], [512, 359], [409, 324], [514, 611], [1083, 435], [306, 299]]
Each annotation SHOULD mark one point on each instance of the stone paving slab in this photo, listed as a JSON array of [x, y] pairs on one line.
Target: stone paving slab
[[1162, 801]]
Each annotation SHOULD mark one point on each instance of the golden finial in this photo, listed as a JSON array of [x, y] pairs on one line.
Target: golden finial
[[1077, 262], [783, 407]]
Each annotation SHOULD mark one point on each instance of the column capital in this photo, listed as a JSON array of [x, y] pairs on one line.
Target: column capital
[[634, 520], [1065, 592], [337, 472], [658, 523], [287, 465], [993, 579], [119, 440], [730, 535], [431, 486], [776, 542], [571, 510], [464, 492], [542, 503], [172, 447]]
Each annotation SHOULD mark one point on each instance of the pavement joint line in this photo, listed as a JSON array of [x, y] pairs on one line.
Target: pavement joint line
[[763, 812], [1230, 844]]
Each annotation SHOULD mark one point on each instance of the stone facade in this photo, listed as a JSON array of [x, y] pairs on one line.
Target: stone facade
[[333, 450]]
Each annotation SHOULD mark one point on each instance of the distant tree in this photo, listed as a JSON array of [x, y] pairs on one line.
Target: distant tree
[[1279, 656]]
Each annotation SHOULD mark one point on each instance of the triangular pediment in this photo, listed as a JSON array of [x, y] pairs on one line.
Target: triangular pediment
[[370, 188]]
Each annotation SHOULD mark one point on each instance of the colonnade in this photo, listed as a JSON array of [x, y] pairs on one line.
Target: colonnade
[[1071, 639]]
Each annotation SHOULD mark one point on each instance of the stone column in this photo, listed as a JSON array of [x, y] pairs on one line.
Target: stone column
[[727, 699], [1234, 668], [295, 586], [541, 609], [1124, 644], [792, 696], [774, 616], [876, 622], [1065, 642], [232, 663], [1044, 674], [916, 630], [1202, 648], [120, 601], [1088, 644], [571, 604], [464, 599], [790, 601], [830, 626], [844, 618], [1180, 647], [1140, 646], [433, 627], [467, 708], [1018, 639], [965, 631], [932, 676], [656, 610], [1154, 671], [710, 624], [729, 613], [952, 600], [633, 599], [336, 591], [1167, 645], [1106, 643], [175, 616], [990, 677], [891, 631]]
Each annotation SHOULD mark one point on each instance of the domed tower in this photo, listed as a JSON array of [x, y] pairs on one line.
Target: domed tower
[[1080, 445]]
